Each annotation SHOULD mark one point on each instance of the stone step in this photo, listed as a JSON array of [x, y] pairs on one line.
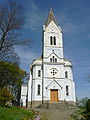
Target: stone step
[[61, 106], [57, 106]]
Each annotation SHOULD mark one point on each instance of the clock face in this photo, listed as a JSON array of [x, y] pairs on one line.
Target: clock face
[[52, 29]]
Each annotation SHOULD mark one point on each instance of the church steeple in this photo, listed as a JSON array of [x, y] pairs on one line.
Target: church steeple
[[50, 18]]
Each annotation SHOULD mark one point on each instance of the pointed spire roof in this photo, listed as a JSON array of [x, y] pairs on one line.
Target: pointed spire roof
[[50, 18]]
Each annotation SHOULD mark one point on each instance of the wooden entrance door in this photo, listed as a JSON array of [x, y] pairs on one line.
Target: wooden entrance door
[[54, 95]]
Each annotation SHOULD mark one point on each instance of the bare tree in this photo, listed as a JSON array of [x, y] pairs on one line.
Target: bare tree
[[11, 21]]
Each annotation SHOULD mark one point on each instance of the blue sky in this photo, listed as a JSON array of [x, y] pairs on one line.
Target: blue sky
[[74, 18]]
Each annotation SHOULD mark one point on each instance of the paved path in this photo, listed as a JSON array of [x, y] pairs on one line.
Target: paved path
[[54, 114]]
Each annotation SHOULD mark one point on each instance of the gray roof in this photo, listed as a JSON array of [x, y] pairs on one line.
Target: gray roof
[[50, 18]]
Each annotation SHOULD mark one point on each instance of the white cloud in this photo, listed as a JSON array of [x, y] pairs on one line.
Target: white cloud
[[67, 23], [70, 28], [88, 36], [26, 56], [35, 17]]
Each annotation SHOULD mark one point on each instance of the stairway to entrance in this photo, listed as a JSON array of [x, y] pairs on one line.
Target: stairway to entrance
[[60, 105], [56, 111], [54, 114]]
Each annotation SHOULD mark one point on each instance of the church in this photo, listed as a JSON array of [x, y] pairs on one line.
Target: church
[[51, 75]]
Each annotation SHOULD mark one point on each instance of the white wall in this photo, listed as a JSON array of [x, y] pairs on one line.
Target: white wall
[[23, 95], [58, 48]]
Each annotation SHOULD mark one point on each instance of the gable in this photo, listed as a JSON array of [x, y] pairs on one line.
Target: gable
[[54, 84], [53, 58], [53, 54], [53, 28]]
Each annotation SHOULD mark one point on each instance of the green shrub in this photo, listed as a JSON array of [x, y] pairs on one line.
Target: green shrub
[[82, 103], [5, 96], [88, 105]]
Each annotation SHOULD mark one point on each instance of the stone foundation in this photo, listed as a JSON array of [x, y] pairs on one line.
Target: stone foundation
[[28, 104], [37, 103], [34, 104], [71, 103]]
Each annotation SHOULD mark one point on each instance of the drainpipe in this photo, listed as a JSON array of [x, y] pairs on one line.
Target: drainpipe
[[42, 64], [31, 86]]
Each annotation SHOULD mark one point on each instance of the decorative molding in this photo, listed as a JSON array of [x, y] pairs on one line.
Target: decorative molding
[[55, 46]]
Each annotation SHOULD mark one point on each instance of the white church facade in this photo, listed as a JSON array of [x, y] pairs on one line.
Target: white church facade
[[51, 76]]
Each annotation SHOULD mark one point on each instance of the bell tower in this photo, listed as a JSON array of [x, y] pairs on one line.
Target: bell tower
[[52, 37]]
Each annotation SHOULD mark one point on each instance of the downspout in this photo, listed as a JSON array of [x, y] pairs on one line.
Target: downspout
[[42, 65], [31, 86], [27, 97]]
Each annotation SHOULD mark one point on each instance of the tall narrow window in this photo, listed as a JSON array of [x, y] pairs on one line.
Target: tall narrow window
[[50, 59], [39, 73], [54, 40], [38, 91], [67, 90], [66, 74], [51, 40], [53, 58]]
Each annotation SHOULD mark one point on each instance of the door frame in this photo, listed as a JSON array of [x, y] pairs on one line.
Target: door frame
[[55, 91]]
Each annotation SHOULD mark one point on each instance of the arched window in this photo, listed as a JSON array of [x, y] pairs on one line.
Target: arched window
[[51, 42], [50, 59], [55, 59], [66, 74], [38, 91], [54, 40], [67, 90], [39, 73]]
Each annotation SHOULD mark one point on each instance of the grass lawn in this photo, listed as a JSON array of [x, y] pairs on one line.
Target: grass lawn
[[15, 113]]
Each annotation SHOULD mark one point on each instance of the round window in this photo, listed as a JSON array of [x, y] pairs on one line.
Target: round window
[[53, 72]]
